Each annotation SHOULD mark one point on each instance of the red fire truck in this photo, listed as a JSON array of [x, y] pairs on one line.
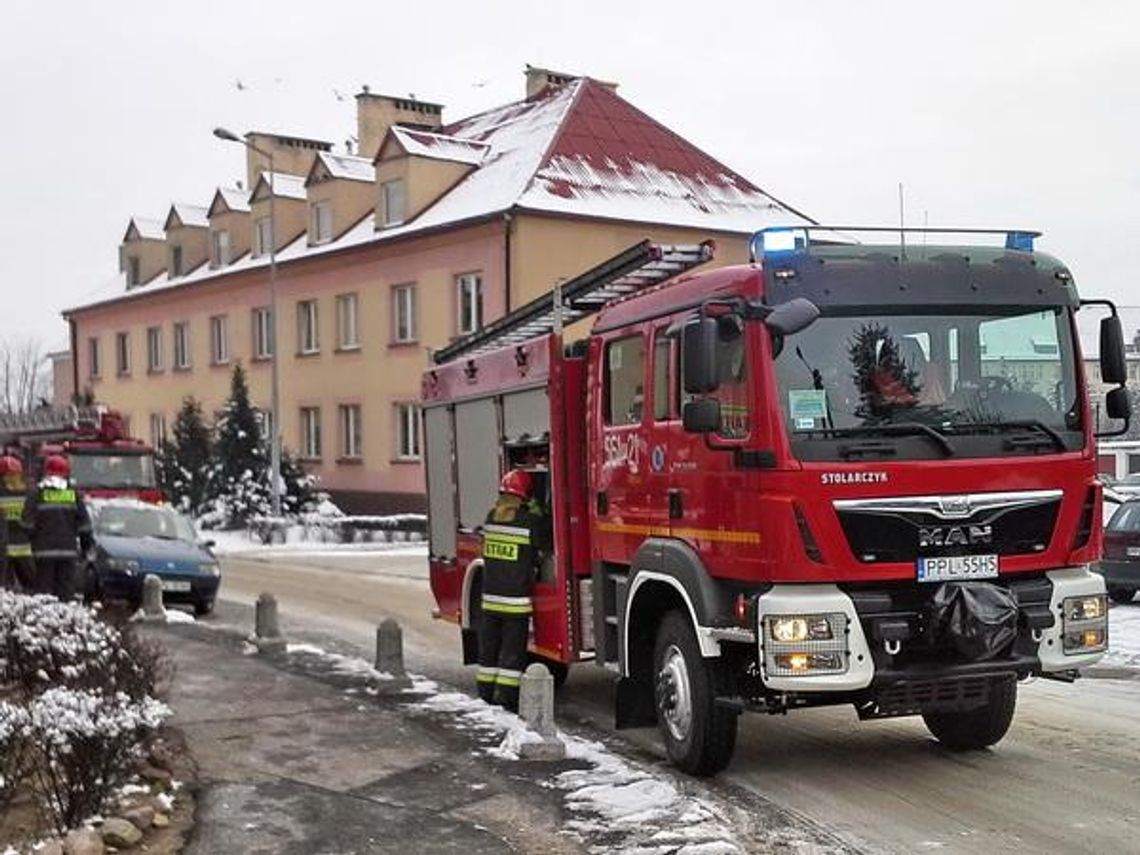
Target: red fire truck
[[105, 460], [841, 474]]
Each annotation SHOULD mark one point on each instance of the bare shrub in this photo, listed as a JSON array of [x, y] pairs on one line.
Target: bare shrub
[[14, 751]]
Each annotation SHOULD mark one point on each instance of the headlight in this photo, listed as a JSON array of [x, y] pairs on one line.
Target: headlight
[[123, 565], [210, 569], [1086, 608], [789, 629], [1084, 624]]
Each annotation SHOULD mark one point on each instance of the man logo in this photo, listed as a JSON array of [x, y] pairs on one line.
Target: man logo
[[955, 506], [955, 535]]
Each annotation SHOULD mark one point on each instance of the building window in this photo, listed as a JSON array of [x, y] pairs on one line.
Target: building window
[[175, 261], [311, 432], [154, 349], [122, 353], [395, 201], [404, 313], [308, 339], [134, 274], [320, 227], [219, 340], [469, 288], [94, 363], [407, 432], [262, 333], [265, 424], [157, 429], [350, 432], [262, 236], [182, 345], [347, 337], [220, 247]]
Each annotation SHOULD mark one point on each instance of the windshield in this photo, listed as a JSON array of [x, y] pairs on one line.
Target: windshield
[[1126, 518], [134, 471], [934, 377], [143, 521]]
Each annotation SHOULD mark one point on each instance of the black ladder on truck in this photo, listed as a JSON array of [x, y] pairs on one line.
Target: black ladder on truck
[[641, 266]]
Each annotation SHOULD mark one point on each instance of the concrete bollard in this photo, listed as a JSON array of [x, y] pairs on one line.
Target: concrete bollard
[[536, 708], [152, 605], [390, 654], [267, 631]]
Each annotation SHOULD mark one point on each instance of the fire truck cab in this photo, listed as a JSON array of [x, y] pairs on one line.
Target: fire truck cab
[[844, 473]]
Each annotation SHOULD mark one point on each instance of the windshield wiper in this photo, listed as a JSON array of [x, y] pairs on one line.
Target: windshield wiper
[[1019, 424], [896, 429]]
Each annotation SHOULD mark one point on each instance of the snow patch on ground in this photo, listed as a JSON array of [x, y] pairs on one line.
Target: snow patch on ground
[[352, 666], [1123, 637], [241, 542]]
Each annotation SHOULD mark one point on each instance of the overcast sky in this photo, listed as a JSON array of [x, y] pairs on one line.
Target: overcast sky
[[990, 113]]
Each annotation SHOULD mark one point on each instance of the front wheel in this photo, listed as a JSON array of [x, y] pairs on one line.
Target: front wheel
[[972, 730], [699, 736], [1121, 595], [203, 607]]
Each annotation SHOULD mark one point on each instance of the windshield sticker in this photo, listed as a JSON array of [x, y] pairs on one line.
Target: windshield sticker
[[806, 406]]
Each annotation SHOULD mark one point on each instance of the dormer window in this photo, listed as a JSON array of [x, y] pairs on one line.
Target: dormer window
[[220, 247], [320, 225], [262, 236], [394, 199], [134, 276], [175, 261]]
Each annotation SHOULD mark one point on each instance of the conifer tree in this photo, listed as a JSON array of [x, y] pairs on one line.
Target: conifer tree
[[241, 461], [189, 459]]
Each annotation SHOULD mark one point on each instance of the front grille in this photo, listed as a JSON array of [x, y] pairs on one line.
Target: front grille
[[877, 537], [910, 697]]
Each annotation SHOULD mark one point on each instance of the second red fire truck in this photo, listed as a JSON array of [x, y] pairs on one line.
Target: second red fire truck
[[842, 474]]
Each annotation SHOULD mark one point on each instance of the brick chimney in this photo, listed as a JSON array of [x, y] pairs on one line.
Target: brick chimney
[[376, 113], [291, 155], [538, 79]]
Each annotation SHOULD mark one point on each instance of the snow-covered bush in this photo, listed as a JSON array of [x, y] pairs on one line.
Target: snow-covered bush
[[14, 750], [86, 743]]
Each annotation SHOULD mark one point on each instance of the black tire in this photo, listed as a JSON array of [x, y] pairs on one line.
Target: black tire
[[973, 730], [203, 608], [1121, 595], [702, 746]]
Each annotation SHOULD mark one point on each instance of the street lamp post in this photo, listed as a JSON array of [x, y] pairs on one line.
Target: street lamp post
[[275, 374]]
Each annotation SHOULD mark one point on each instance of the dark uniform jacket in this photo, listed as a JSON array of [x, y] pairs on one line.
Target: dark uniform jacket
[[515, 536], [16, 537], [56, 519]]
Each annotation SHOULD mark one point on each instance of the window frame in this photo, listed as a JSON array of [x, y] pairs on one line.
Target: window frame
[[461, 286], [94, 357], [398, 306], [407, 416], [219, 339], [308, 327], [134, 271], [154, 362], [343, 301], [176, 260], [386, 195], [311, 444], [320, 213], [181, 347], [220, 254], [261, 244], [607, 381], [157, 437], [350, 428], [264, 340], [122, 354]]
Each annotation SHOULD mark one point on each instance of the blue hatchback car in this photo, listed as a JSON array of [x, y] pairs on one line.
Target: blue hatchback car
[[135, 539]]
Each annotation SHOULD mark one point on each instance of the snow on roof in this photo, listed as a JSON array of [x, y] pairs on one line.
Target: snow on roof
[[441, 146], [147, 228], [236, 198], [285, 186], [347, 166], [577, 149], [194, 216]]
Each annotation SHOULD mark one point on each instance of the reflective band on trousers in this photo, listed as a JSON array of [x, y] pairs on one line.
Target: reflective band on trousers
[[486, 675], [507, 605], [507, 677]]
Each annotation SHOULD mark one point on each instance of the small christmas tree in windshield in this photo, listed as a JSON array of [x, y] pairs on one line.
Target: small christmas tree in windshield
[[883, 379]]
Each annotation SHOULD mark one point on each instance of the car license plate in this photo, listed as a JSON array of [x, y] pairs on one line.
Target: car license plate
[[176, 587], [950, 567], [1134, 552]]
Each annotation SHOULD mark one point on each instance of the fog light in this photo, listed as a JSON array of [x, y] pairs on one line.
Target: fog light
[[1086, 640], [792, 629], [802, 663], [1086, 608]]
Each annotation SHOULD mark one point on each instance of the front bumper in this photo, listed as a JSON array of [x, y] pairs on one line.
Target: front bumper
[[120, 586], [885, 645]]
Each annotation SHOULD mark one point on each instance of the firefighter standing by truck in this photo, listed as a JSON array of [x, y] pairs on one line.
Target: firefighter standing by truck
[[57, 523], [19, 571], [515, 536]]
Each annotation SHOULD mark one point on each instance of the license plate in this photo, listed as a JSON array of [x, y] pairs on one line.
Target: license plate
[[176, 587], [951, 567], [1134, 552]]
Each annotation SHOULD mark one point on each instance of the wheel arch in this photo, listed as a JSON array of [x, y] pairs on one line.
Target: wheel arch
[[474, 569]]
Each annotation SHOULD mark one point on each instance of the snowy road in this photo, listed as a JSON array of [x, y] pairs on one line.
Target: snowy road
[[1066, 779]]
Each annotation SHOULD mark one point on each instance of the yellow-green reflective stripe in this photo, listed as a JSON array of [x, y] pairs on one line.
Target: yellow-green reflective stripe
[[501, 551], [485, 678], [506, 681], [499, 608], [18, 550], [58, 497], [499, 537]]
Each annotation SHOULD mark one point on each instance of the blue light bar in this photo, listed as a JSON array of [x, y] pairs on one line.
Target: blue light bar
[[778, 241], [1022, 241]]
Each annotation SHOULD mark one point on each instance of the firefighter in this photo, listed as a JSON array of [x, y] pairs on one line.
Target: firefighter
[[515, 536], [57, 522], [18, 569]]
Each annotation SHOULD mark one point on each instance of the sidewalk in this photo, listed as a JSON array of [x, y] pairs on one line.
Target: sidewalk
[[289, 765]]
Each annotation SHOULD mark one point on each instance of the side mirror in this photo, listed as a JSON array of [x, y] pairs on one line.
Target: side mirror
[[698, 356], [1117, 405], [793, 316], [701, 416], [1113, 363]]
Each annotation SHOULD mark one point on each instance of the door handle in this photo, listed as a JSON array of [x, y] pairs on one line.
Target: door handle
[[676, 506]]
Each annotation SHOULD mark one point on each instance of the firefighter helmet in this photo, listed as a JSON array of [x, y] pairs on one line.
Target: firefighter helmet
[[517, 482], [10, 465], [57, 465]]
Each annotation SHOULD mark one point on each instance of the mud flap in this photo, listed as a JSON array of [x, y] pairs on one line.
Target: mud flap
[[977, 619], [470, 646], [633, 704]]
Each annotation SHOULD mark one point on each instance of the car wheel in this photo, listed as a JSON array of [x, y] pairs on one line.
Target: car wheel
[[972, 730], [203, 607], [1121, 595], [699, 735]]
